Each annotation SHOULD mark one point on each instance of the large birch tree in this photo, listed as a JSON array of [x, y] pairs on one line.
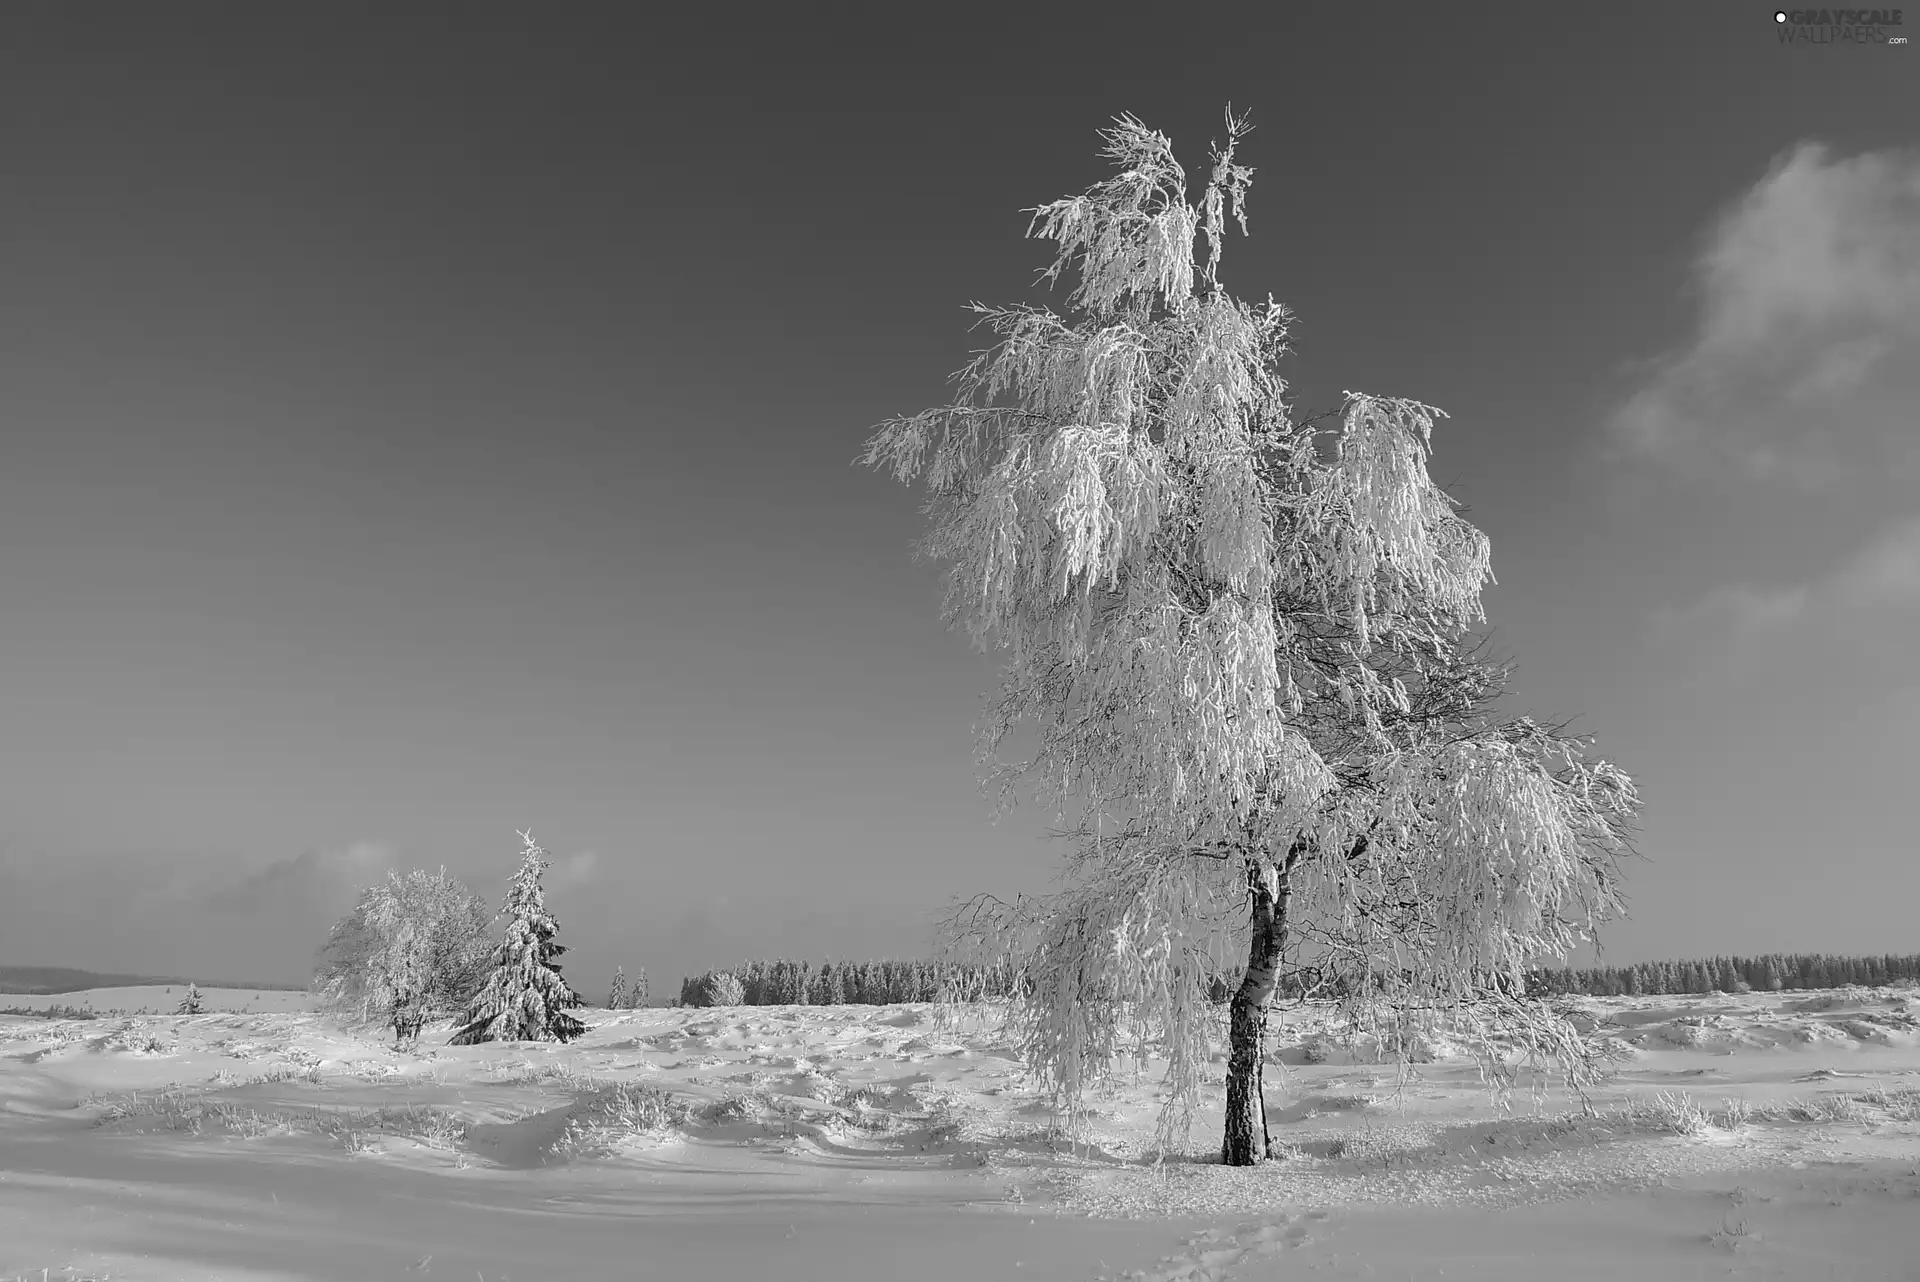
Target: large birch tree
[[1239, 650]]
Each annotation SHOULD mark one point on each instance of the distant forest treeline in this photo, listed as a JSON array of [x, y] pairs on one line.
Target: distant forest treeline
[[784, 982], [42, 981], [1769, 972], [1766, 973]]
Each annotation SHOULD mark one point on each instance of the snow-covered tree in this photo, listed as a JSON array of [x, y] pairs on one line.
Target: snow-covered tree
[[617, 995], [414, 945], [723, 988], [637, 994], [190, 1004], [714, 988], [1238, 649], [525, 998], [1728, 979], [1775, 977]]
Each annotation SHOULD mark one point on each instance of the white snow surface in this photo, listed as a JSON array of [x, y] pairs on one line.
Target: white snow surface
[[261, 1140]]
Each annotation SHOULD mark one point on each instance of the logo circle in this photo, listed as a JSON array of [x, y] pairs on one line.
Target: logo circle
[[1779, 15]]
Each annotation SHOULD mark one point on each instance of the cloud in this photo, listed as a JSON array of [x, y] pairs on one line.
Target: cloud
[[313, 877], [1881, 575], [575, 870], [1887, 570], [180, 911], [1804, 365], [1733, 609]]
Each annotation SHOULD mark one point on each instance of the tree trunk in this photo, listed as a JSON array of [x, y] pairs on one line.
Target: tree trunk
[[409, 1015], [1246, 1132]]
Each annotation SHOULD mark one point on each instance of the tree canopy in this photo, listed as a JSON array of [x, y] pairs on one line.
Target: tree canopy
[[1238, 644], [416, 940]]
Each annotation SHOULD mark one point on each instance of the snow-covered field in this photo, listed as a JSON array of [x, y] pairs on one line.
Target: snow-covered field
[[162, 1001], [1760, 1135]]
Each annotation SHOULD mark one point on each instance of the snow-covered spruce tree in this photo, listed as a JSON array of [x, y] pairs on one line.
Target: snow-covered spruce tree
[[617, 995], [637, 994], [190, 1004], [525, 998], [1240, 644]]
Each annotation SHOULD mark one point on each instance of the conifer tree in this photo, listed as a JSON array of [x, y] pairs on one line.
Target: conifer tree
[[1772, 978], [525, 998], [637, 993], [190, 1004], [617, 995]]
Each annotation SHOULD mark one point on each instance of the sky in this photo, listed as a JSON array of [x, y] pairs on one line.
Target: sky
[[423, 425]]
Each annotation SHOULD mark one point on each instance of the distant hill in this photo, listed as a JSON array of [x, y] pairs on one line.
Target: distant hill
[[46, 980]]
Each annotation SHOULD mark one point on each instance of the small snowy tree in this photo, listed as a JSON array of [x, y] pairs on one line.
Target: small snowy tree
[[617, 995], [637, 995], [1239, 651], [190, 1004], [525, 997], [714, 988]]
